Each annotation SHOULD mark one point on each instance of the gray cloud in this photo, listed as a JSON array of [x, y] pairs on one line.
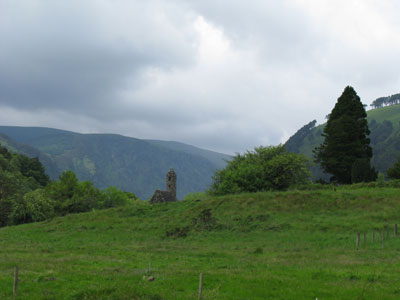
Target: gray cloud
[[67, 57], [225, 75]]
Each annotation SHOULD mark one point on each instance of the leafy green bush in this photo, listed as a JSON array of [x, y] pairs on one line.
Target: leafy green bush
[[39, 206], [113, 197], [19, 175], [72, 196], [27, 196], [6, 208], [84, 198], [266, 168]]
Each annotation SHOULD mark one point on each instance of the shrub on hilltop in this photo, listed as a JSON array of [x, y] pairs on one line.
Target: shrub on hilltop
[[264, 169]]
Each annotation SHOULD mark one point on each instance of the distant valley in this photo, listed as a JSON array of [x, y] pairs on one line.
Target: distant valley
[[131, 164], [140, 166]]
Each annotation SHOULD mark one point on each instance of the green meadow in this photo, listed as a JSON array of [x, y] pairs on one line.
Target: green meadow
[[272, 245]]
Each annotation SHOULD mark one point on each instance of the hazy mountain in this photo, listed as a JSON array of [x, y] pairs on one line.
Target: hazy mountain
[[219, 159], [135, 165]]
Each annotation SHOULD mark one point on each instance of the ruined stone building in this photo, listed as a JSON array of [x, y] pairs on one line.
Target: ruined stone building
[[170, 194]]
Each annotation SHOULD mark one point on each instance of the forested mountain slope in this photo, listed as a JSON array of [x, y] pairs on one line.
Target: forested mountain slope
[[385, 138], [134, 165]]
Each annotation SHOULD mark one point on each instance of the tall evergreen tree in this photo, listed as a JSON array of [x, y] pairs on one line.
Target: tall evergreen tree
[[346, 141], [394, 172]]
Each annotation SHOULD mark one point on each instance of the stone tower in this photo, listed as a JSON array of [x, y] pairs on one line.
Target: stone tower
[[171, 182], [170, 194]]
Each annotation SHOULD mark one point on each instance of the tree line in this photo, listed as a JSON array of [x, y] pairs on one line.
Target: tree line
[[345, 155], [27, 194], [384, 101]]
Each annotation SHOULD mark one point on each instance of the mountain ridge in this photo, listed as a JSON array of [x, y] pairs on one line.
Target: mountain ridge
[[131, 164]]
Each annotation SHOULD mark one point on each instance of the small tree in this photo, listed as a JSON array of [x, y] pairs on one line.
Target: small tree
[[266, 168], [394, 172], [39, 206]]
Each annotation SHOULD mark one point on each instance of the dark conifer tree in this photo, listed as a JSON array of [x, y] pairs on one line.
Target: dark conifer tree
[[346, 141], [394, 172]]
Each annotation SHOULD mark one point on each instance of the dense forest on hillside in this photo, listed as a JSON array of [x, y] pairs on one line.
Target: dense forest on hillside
[[130, 164], [27, 195], [384, 124]]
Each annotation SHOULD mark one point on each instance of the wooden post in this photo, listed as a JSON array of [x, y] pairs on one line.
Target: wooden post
[[200, 285], [357, 240], [373, 236], [15, 290], [395, 230], [382, 236]]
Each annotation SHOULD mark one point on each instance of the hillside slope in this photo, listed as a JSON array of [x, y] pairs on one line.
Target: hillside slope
[[218, 159], [286, 245], [384, 124], [134, 165]]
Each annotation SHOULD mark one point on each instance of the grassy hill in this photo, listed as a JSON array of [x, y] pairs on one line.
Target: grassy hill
[[384, 124], [134, 165], [286, 245]]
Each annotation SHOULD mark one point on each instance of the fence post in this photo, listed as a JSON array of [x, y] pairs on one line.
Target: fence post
[[15, 290], [395, 230], [200, 285], [382, 233], [357, 240], [373, 236]]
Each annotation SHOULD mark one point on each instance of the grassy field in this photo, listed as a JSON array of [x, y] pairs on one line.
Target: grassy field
[[288, 245]]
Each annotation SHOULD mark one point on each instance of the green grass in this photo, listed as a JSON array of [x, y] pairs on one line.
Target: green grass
[[286, 245]]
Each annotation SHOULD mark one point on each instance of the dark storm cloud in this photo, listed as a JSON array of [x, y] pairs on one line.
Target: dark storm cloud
[[62, 57], [226, 75]]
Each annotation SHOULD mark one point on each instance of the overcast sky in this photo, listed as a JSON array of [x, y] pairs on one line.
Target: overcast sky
[[225, 75]]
